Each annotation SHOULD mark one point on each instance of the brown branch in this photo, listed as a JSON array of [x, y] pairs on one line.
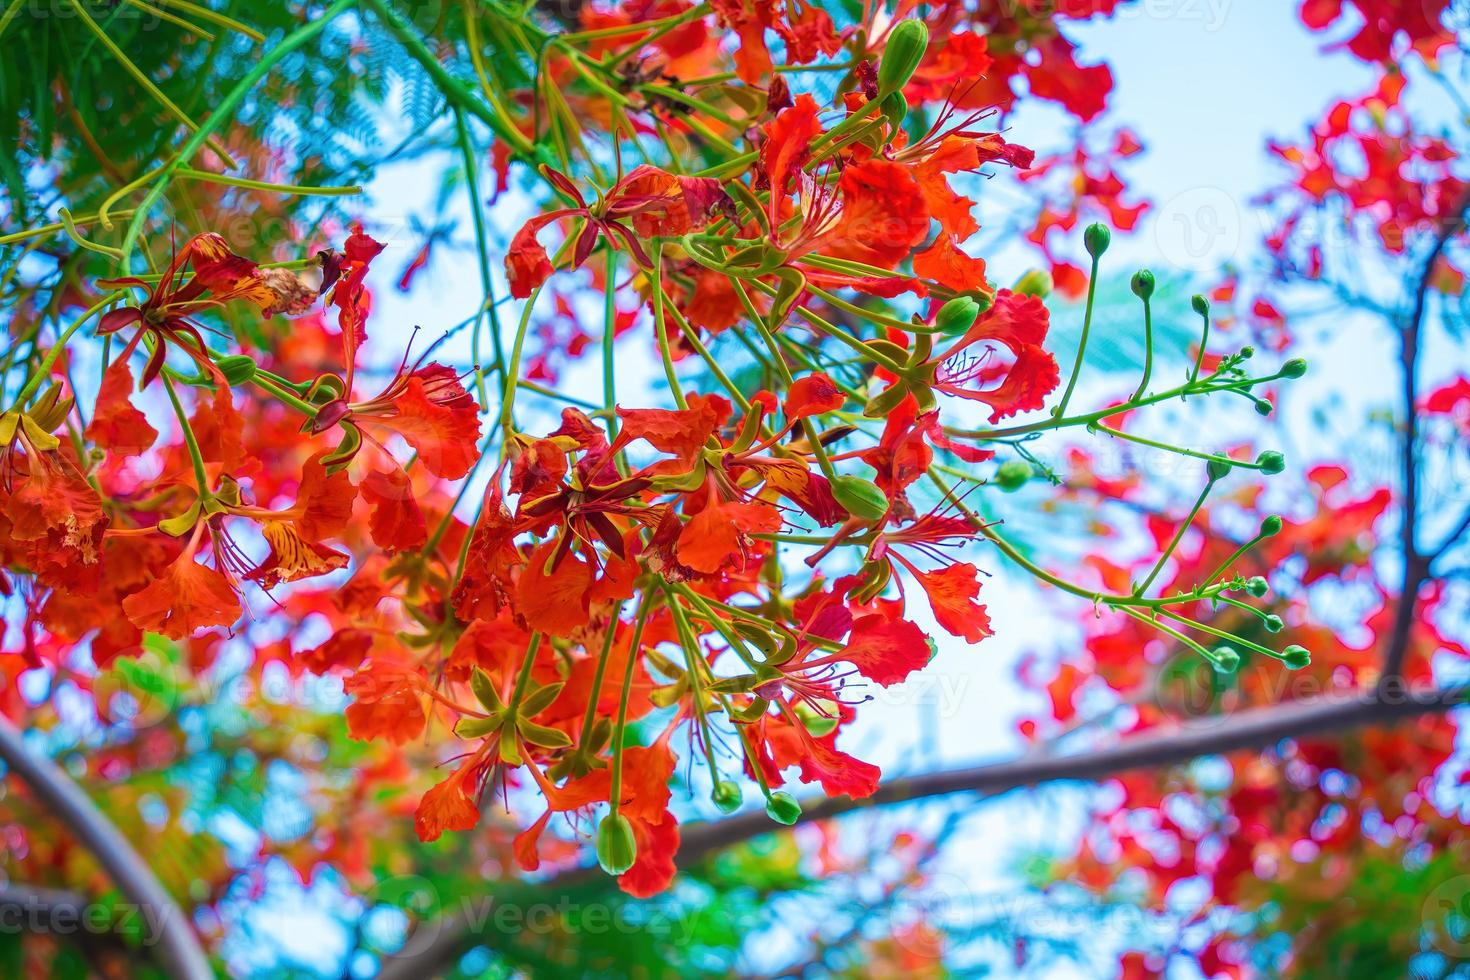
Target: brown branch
[[439, 942], [178, 950], [1416, 564]]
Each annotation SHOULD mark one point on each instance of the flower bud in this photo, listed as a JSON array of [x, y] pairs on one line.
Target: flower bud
[[1013, 474], [1273, 624], [1271, 462], [957, 316], [1296, 657], [860, 498], [783, 808], [1257, 586], [1271, 527], [902, 54], [726, 796], [1263, 407], [1218, 469], [1037, 282], [616, 848], [1200, 305], [1097, 238], [1294, 368], [1247, 352], [1225, 660], [237, 368], [1143, 284]]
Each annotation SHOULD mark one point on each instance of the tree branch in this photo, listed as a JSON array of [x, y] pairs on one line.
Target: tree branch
[[439, 942], [178, 952], [1416, 564]]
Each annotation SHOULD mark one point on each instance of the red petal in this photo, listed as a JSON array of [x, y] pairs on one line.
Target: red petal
[[813, 395], [952, 593], [396, 523], [117, 425], [185, 598], [885, 650]]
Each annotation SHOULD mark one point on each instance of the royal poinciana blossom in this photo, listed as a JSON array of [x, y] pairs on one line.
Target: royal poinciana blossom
[[555, 612]]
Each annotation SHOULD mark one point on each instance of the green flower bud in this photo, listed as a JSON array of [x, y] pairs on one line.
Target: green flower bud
[[1200, 305], [1294, 368], [895, 109], [1263, 407], [860, 498], [726, 796], [1097, 238], [957, 316], [783, 808], [237, 368], [1037, 282], [1273, 624], [1271, 527], [1271, 462], [902, 54], [1257, 586], [1225, 660], [1247, 352], [616, 848], [1143, 284], [1296, 657], [1218, 469], [1013, 474]]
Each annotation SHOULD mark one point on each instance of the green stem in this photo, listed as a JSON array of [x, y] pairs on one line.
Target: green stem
[[616, 795], [1222, 634], [1152, 620], [661, 328], [609, 334], [1234, 557], [1148, 349], [195, 457], [513, 372], [597, 675], [261, 185], [1061, 408], [1178, 537], [1199, 358], [472, 183], [523, 679], [1178, 450]]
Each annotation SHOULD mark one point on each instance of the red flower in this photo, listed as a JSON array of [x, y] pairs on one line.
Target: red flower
[[188, 596], [218, 276], [427, 406], [1019, 323], [654, 201]]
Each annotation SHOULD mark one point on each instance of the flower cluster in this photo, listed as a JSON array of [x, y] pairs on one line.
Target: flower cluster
[[563, 611]]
